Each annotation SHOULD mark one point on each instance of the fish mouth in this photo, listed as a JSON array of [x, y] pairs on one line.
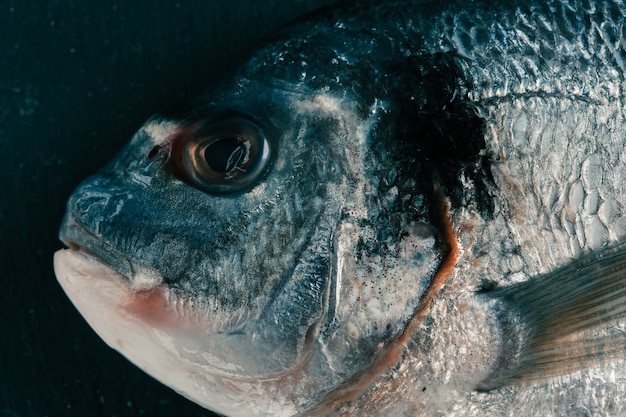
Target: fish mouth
[[78, 238]]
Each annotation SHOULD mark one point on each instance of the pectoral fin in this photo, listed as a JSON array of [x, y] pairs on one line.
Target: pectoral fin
[[561, 322]]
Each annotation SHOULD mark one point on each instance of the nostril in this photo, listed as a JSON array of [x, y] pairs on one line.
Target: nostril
[[154, 152]]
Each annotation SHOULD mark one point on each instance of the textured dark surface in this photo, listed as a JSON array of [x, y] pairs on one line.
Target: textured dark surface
[[76, 80]]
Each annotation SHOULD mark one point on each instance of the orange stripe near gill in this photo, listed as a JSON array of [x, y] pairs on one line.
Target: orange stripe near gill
[[394, 354]]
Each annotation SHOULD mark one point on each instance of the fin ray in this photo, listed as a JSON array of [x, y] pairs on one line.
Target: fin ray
[[548, 322]]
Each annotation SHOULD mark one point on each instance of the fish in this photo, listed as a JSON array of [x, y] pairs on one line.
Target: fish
[[398, 208]]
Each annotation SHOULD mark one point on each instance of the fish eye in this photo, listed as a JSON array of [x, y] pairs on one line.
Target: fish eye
[[226, 156]]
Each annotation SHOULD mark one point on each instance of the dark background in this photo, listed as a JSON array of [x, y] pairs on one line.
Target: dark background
[[77, 78]]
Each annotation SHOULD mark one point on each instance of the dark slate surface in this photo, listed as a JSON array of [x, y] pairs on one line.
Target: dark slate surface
[[77, 78]]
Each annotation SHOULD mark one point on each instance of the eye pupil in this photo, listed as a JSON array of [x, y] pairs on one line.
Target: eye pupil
[[227, 155]]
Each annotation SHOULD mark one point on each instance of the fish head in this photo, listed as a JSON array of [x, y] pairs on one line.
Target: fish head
[[259, 248]]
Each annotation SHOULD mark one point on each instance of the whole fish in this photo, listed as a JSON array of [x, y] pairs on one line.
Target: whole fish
[[391, 209]]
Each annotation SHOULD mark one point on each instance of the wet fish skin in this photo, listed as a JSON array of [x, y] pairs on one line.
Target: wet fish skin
[[374, 115]]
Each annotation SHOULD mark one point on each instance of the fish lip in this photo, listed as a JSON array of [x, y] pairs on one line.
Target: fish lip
[[78, 238]]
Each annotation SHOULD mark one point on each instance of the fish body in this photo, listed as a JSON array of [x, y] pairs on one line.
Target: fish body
[[393, 208]]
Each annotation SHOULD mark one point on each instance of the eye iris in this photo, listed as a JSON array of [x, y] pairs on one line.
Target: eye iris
[[226, 156]]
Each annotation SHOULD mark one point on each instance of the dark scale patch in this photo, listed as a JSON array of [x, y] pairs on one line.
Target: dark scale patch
[[428, 131], [436, 127], [426, 113]]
